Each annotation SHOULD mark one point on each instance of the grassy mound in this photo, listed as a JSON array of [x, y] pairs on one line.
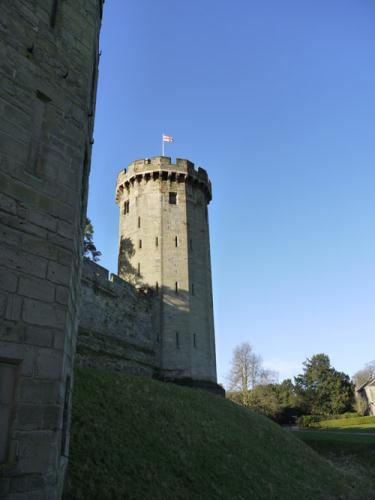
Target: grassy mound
[[134, 438]]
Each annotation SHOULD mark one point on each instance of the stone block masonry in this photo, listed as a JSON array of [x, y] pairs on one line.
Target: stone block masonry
[[48, 68], [116, 325]]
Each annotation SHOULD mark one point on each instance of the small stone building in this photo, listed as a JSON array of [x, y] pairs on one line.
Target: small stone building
[[367, 393]]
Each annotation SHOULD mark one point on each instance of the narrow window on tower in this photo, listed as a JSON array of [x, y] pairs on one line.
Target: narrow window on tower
[[177, 340], [176, 287], [139, 269], [173, 198], [64, 431], [126, 207], [84, 187], [139, 222], [35, 159], [195, 340], [176, 241], [94, 79], [156, 241], [140, 244], [8, 373], [53, 15]]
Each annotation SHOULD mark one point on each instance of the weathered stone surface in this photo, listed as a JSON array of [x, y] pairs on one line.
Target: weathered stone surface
[[8, 280], [40, 313], [48, 71], [44, 220], [36, 289], [58, 273], [62, 295], [48, 364], [115, 324], [39, 336], [32, 390], [13, 308]]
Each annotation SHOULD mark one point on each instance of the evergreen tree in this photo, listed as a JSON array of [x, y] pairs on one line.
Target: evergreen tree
[[89, 248], [322, 389]]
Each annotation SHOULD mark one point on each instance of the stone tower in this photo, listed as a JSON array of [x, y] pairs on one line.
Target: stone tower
[[164, 244], [48, 68]]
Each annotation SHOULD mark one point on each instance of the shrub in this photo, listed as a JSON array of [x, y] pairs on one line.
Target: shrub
[[309, 420]]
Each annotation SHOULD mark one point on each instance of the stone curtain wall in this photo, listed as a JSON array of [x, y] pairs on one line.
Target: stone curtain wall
[[48, 68], [115, 325]]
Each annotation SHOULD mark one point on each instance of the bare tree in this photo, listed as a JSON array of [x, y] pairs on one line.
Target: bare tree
[[247, 371], [367, 373], [239, 377], [269, 377], [256, 370]]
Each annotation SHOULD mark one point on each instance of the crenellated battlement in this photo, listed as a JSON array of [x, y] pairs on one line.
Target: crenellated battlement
[[115, 324], [161, 167], [107, 282]]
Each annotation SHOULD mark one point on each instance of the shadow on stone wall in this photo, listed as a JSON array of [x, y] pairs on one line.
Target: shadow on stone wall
[[125, 268], [115, 324]]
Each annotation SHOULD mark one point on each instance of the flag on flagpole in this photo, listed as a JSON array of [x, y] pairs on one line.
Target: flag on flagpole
[[167, 138]]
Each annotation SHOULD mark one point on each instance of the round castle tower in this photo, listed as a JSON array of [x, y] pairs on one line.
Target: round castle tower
[[164, 244]]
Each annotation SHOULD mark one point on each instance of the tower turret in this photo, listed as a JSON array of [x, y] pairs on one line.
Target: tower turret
[[164, 244]]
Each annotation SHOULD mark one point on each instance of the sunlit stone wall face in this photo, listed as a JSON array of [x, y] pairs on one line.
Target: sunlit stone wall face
[[48, 69], [164, 244]]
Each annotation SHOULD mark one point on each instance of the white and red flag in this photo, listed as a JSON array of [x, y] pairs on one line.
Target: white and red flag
[[167, 138]]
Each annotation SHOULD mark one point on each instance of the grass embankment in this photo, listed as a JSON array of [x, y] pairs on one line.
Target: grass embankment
[[351, 452], [134, 438], [366, 424]]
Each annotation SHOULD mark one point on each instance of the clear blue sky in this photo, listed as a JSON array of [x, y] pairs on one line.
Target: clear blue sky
[[277, 101]]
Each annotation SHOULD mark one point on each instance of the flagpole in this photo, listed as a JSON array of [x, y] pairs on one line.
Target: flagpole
[[162, 144]]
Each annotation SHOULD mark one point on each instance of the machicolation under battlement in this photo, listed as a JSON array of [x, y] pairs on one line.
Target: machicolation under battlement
[[161, 167]]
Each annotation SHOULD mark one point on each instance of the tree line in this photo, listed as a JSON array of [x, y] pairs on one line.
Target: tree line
[[319, 390]]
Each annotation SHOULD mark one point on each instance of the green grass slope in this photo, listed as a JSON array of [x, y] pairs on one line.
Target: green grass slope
[[358, 423], [352, 452], [134, 438]]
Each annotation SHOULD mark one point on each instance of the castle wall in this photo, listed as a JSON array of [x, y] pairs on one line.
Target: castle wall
[[115, 326], [48, 68]]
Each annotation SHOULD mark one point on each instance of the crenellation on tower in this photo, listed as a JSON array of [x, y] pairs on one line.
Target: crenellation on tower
[[162, 167]]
